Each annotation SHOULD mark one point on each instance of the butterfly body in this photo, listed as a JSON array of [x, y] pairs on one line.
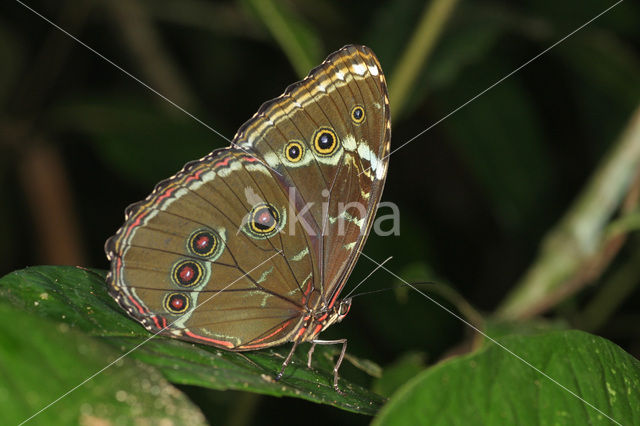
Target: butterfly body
[[250, 246]]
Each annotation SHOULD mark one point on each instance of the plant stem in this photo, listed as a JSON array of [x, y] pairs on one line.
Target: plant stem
[[420, 46], [568, 252], [141, 38], [612, 294], [297, 39]]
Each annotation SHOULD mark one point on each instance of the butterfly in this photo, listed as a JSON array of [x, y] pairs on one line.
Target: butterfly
[[250, 246]]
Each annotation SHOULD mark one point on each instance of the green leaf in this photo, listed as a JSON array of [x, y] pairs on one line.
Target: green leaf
[[399, 373], [497, 141], [386, 35], [41, 361], [78, 297], [605, 81], [467, 38], [135, 137], [493, 387], [499, 328], [458, 49], [298, 40]]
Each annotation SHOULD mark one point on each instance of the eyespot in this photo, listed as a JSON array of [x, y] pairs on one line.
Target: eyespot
[[187, 273], [176, 303], [294, 151], [263, 221], [325, 141], [357, 114], [204, 243]]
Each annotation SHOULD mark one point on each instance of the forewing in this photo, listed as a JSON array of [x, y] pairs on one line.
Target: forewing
[[340, 190]]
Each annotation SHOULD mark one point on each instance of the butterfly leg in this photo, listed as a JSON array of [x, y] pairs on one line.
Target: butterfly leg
[[343, 342], [287, 360], [310, 354]]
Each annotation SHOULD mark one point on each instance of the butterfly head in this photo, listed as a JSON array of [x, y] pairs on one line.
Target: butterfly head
[[335, 314], [343, 309]]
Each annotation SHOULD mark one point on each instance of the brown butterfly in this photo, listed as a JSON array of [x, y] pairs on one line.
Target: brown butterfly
[[250, 246]]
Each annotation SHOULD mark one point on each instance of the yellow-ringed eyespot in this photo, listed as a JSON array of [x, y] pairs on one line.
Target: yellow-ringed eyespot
[[294, 151], [263, 221], [187, 273], [204, 243], [357, 114], [176, 303], [325, 141]]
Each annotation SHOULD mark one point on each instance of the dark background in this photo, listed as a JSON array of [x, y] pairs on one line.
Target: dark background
[[477, 193]]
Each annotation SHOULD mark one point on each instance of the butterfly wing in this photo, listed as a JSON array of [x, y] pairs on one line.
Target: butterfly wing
[[237, 248], [345, 97], [203, 258]]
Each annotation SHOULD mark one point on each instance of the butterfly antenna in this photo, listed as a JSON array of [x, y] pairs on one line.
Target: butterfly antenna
[[393, 288], [446, 292], [367, 277]]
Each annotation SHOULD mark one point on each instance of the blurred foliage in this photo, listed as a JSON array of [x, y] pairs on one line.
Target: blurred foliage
[[130, 390], [78, 298], [603, 374], [478, 192]]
